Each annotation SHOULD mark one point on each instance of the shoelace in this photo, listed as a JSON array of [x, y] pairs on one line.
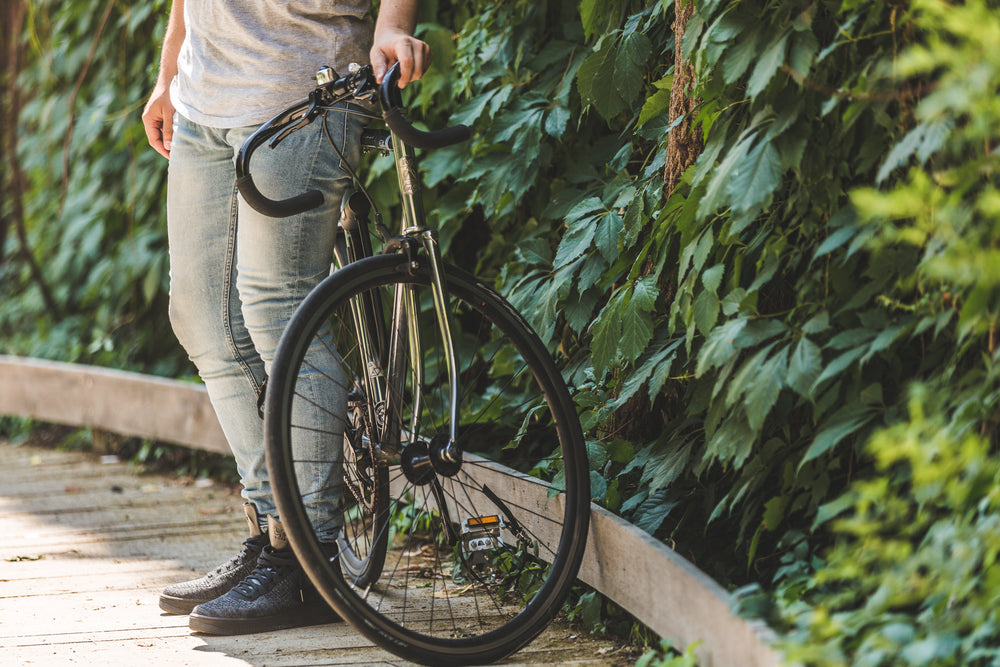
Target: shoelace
[[271, 565], [232, 562]]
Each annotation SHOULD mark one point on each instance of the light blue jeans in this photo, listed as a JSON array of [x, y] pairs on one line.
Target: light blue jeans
[[237, 276]]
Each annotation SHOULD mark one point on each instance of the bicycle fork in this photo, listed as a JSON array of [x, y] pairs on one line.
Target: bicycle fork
[[423, 463], [388, 355]]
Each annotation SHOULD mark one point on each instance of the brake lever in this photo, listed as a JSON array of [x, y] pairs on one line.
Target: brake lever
[[311, 113]]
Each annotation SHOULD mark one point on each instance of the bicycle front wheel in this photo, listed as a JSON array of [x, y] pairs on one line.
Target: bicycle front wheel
[[480, 550]]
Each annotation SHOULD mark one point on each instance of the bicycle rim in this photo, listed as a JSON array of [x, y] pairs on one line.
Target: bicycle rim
[[478, 554]]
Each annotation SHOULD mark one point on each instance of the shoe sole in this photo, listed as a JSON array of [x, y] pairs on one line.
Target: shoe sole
[[178, 606], [216, 625]]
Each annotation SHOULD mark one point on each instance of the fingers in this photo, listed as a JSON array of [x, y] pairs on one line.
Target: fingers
[[167, 130], [158, 122], [380, 64], [421, 54], [154, 135], [413, 56]]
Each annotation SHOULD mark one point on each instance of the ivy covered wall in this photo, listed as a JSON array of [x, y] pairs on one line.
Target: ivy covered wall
[[764, 252]]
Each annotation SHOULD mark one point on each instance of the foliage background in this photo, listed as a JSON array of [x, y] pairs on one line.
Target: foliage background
[[786, 365]]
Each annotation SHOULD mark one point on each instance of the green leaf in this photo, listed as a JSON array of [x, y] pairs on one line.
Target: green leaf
[[606, 335], [583, 208], [838, 426], [716, 194], [803, 52], [838, 366], [883, 340], [739, 56], [705, 312], [754, 179], [817, 323], [774, 511], [767, 66], [655, 104], [631, 62], [535, 251], [610, 230], [556, 120], [597, 454], [764, 393], [594, 14], [651, 514], [745, 379], [804, 367], [575, 241], [637, 329], [758, 331], [834, 508], [733, 302], [922, 141], [469, 113], [653, 366], [712, 277], [577, 309], [592, 80], [720, 345], [835, 240], [645, 293], [598, 486], [733, 442]]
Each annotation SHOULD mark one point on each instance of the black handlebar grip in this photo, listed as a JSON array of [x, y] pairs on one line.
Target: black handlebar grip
[[410, 135], [395, 119], [277, 209]]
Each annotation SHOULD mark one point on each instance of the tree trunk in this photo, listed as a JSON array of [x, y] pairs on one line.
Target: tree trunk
[[632, 421], [10, 181], [684, 144]]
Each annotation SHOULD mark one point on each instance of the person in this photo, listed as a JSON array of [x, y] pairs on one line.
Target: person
[[237, 276]]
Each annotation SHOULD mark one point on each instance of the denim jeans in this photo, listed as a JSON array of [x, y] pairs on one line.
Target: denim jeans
[[237, 276]]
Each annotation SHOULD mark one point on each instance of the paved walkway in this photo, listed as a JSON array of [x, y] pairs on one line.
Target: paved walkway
[[86, 545]]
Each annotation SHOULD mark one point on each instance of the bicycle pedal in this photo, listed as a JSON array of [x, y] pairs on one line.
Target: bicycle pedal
[[481, 541]]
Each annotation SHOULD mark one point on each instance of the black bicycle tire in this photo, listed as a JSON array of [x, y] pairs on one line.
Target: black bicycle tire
[[526, 625]]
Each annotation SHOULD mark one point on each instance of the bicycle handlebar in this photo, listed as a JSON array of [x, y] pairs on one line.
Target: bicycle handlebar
[[359, 85], [395, 119]]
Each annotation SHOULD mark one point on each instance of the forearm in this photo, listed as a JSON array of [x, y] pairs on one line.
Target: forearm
[[396, 16], [172, 44], [157, 116], [394, 42]]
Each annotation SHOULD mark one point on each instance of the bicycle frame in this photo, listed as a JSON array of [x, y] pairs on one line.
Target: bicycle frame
[[383, 352], [384, 362]]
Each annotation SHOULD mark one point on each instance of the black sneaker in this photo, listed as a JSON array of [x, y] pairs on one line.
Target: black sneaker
[[277, 595], [183, 597]]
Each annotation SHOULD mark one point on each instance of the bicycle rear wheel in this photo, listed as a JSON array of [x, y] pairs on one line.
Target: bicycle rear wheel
[[364, 537], [480, 552]]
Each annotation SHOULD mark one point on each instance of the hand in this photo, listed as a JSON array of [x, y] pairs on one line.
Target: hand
[[391, 46], [158, 119]]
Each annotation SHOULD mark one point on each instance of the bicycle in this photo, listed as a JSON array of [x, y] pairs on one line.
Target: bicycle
[[466, 499]]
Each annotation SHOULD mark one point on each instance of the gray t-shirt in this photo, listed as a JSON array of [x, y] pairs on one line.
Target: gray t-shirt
[[243, 61]]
